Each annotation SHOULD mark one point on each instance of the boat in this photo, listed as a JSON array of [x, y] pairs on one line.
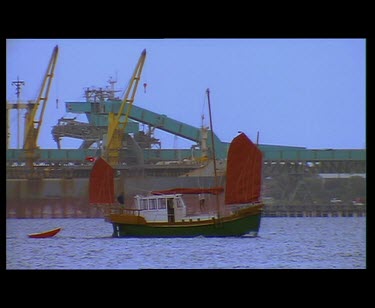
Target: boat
[[45, 234], [163, 213]]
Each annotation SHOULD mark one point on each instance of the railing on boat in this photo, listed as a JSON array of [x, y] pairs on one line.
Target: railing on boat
[[122, 210]]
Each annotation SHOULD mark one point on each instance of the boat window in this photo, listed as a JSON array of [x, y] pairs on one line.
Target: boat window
[[152, 205], [144, 204], [179, 202], [162, 204]]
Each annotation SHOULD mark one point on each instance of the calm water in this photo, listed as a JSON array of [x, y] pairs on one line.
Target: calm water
[[283, 243]]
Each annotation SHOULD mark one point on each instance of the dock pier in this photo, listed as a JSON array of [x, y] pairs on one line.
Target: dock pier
[[313, 210]]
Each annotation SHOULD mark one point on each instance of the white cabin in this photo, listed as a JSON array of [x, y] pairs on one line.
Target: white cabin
[[166, 208], [161, 208]]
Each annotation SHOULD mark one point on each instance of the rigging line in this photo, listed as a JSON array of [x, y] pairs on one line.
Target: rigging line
[[145, 80], [203, 108], [56, 75]]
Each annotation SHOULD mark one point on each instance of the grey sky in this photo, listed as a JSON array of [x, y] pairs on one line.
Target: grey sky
[[300, 92]]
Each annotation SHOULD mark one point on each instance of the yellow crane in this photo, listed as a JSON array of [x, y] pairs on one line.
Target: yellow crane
[[117, 123], [34, 121]]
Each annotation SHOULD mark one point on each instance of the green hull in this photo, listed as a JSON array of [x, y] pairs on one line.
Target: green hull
[[239, 227]]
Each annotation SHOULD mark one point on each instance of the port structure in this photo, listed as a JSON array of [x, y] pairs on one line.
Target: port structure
[[59, 176], [143, 149], [147, 149], [117, 122], [18, 105], [34, 113], [107, 114]]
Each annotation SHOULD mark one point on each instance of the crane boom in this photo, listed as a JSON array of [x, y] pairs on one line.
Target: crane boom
[[116, 126], [33, 123]]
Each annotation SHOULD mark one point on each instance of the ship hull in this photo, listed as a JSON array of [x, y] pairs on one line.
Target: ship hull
[[232, 226]]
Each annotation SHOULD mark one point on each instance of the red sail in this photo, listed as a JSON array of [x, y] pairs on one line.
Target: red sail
[[102, 187], [244, 171], [213, 190]]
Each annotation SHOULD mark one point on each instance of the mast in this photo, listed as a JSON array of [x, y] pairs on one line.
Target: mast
[[18, 84], [213, 150]]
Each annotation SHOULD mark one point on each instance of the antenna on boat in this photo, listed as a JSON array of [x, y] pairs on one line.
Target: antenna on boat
[[213, 150]]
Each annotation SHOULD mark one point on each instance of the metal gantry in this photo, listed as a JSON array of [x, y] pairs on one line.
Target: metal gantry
[[35, 113], [116, 122]]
